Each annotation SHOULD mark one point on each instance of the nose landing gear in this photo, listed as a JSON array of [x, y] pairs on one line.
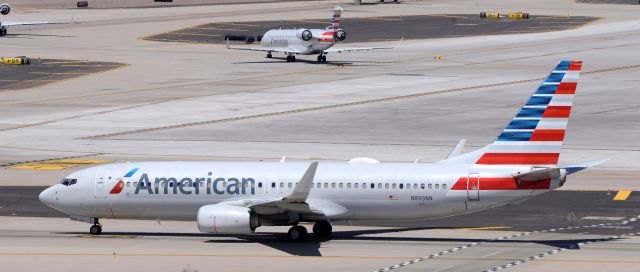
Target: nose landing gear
[[96, 229]]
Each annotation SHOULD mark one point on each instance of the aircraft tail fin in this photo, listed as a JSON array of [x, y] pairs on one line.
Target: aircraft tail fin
[[334, 24], [534, 136]]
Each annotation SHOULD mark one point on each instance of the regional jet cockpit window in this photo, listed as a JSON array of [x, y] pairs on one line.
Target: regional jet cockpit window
[[68, 182]]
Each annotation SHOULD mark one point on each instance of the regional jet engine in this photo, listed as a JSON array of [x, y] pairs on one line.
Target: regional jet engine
[[304, 34], [5, 9], [218, 218], [341, 35]]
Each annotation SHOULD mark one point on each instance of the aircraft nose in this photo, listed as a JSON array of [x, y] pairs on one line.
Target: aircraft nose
[[48, 196]]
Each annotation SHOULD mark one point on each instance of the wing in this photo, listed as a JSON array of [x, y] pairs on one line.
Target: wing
[[349, 49], [17, 23], [267, 49], [296, 203]]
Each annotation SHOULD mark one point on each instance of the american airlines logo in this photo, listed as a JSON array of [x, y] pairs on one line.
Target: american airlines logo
[[208, 184]]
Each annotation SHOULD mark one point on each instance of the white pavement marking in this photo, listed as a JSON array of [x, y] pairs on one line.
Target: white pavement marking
[[554, 251], [444, 268], [492, 254]]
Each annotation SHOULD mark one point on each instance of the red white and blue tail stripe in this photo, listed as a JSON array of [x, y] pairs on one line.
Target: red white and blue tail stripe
[[536, 133]]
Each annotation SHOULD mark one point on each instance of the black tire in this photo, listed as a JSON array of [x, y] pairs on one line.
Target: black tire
[[269, 56], [298, 233], [288, 58], [293, 58], [324, 59], [95, 230], [322, 230]]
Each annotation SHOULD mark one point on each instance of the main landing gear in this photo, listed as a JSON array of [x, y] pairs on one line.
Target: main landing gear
[[269, 55], [96, 229], [322, 58], [321, 230], [291, 58]]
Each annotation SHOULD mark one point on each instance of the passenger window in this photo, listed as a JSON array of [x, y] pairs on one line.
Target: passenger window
[[128, 184], [444, 186], [333, 185], [415, 186], [281, 184], [289, 184], [348, 185], [355, 185], [326, 185], [273, 185], [422, 186], [400, 185], [373, 186], [259, 184], [429, 185], [319, 185], [386, 185], [379, 185], [135, 184], [340, 185], [393, 186], [437, 186]]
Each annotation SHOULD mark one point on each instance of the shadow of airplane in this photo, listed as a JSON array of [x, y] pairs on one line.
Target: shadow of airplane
[[311, 247]]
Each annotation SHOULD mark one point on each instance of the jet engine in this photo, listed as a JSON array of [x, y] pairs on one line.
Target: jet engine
[[341, 35], [5, 9], [304, 34], [219, 218]]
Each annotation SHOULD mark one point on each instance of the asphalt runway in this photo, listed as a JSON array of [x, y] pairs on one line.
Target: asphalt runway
[[552, 210], [48, 71], [387, 28]]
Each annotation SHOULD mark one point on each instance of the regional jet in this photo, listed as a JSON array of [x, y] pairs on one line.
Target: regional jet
[[238, 197], [294, 42], [5, 9]]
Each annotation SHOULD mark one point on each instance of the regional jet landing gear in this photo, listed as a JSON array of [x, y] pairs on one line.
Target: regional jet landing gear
[[96, 229], [322, 58], [321, 230], [291, 58], [269, 55]]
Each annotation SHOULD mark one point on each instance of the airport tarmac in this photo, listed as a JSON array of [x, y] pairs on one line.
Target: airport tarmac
[[179, 101], [49, 71], [387, 28]]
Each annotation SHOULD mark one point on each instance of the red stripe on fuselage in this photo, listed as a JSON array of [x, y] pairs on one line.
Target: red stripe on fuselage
[[567, 88], [503, 184], [519, 158], [547, 135], [557, 112]]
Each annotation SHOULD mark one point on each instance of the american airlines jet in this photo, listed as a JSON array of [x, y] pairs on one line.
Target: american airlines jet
[[294, 42], [5, 9], [238, 197]]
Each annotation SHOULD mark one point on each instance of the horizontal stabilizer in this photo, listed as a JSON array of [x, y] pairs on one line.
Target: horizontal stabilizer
[[540, 175], [581, 166], [457, 150]]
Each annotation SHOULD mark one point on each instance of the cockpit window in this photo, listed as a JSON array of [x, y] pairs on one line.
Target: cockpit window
[[68, 182]]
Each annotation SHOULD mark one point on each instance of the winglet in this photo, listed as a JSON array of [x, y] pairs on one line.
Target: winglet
[[303, 188], [457, 149]]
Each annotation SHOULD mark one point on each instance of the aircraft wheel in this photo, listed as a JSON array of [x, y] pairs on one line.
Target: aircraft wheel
[[288, 58], [95, 230], [269, 55], [293, 58], [319, 59], [298, 233], [322, 229], [324, 59]]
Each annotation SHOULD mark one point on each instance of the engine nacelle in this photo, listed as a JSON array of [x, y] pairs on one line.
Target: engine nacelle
[[5, 9], [219, 218], [341, 35], [304, 34]]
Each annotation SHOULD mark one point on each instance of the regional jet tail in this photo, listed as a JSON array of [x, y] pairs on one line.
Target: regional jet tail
[[238, 197], [5, 9], [293, 42]]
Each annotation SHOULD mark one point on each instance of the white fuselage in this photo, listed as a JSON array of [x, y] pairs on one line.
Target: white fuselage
[[343, 191], [280, 38]]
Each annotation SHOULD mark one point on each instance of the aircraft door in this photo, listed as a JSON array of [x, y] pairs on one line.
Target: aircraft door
[[473, 186], [100, 190]]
